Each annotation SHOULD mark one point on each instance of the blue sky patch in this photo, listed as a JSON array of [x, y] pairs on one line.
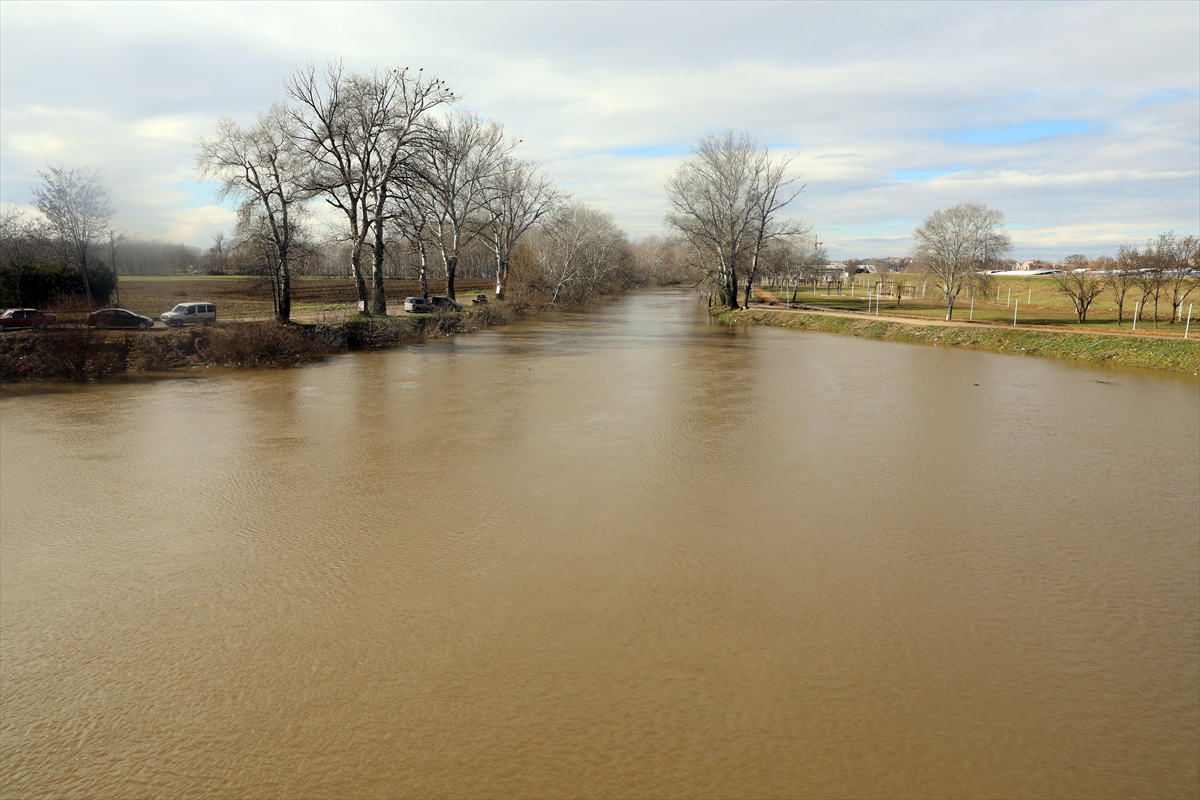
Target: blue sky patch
[[1165, 96], [199, 194], [1012, 134]]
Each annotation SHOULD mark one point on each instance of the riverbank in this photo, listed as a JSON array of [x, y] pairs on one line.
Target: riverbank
[[80, 353], [1175, 355]]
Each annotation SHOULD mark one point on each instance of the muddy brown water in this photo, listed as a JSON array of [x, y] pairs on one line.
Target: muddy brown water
[[613, 552]]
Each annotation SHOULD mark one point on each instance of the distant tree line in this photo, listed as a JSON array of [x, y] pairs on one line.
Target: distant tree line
[[1161, 275]]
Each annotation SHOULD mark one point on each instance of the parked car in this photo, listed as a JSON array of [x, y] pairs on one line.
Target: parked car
[[479, 298], [191, 314], [446, 303], [26, 318], [417, 305], [118, 318]]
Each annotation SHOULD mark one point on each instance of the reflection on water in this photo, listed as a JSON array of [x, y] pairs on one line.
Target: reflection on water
[[614, 552]]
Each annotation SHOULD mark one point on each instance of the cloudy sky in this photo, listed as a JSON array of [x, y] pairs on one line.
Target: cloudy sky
[[1080, 121]]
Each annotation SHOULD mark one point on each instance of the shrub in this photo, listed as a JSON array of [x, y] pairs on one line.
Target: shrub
[[39, 285], [256, 344]]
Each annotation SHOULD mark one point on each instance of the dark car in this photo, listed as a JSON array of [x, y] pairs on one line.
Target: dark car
[[479, 299], [26, 318], [118, 318], [445, 302]]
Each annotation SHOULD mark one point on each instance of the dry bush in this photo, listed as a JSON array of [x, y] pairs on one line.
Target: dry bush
[[17, 352], [380, 332], [256, 344], [72, 350]]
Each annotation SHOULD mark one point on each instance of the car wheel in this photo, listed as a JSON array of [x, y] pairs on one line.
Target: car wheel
[[144, 326], [208, 323]]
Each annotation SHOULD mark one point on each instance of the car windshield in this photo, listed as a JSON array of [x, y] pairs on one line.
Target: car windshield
[[180, 309]]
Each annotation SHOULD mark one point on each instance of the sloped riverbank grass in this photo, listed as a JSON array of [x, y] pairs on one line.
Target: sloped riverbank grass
[[1175, 355], [81, 353]]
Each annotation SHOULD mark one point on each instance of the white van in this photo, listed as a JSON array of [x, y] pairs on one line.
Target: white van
[[191, 314]]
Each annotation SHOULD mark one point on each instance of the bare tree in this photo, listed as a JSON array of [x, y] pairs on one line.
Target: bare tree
[[360, 131], [956, 242], [516, 199], [1181, 263], [79, 207], [1151, 277], [464, 161], [411, 222], [263, 169], [725, 200], [1122, 277], [1081, 282], [579, 253]]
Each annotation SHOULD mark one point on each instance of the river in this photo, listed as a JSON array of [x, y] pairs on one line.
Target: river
[[614, 552]]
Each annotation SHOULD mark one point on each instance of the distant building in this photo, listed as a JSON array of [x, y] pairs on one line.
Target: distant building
[[1035, 264]]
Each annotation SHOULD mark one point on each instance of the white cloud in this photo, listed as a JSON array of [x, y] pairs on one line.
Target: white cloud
[[862, 91]]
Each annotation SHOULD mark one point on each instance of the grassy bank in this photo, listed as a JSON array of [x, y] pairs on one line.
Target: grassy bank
[[79, 353], [1176, 355], [1035, 301]]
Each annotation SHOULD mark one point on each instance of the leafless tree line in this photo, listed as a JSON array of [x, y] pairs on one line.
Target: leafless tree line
[[1163, 273], [395, 163]]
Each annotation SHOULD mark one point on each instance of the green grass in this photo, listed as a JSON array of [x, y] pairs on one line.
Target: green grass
[[1175, 355], [1048, 306]]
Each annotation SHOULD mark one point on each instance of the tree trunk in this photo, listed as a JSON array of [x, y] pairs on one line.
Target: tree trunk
[[378, 301], [451, 268], [424, 270], [501, 278], [360, 285], [285, 291], [729, 291]]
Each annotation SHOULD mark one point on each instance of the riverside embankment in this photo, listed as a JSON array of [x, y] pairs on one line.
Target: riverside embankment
[[75, 352], [1175, 355]]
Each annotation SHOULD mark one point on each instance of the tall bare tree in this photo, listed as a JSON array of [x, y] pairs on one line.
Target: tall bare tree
[[411, 222], [1081, 281], [954, 243], [1181, 268], [361, 132], [517, 198], [725, 200], [463, 163], [79, 207], [1151, 277], [262, 168], [1122, 276], [579, 254]]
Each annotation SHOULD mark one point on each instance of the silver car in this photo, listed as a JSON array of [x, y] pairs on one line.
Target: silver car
[[417, 305], [191, 314]]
